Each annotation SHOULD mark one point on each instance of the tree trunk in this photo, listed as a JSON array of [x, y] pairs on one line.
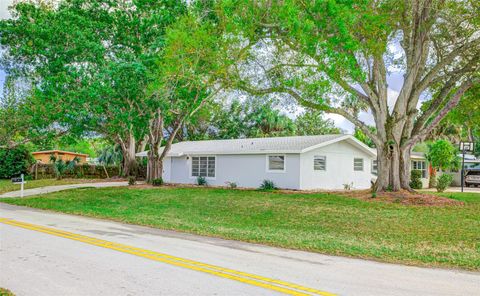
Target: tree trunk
[[155, 136], [405, 168], [129, 163], [393, 168], [154, 167], [155, 159]]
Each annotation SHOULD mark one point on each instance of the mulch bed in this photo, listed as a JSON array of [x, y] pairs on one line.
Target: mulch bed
[[402, 197]]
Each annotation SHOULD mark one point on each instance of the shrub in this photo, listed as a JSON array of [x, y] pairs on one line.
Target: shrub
[[157, 182], [132, 180], [267, 185], [61, 168], [348, 186], [443, 182], [232, 185], [201, 181], [14, 162], [416, 179]]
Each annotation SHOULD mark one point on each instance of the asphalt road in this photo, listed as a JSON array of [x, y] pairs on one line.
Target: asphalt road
[[56, 254]]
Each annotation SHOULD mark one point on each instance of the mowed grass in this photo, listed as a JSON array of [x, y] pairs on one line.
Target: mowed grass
[[7, 185], [325, 223]]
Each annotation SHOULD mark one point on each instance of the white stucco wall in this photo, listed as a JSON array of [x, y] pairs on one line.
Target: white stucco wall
[[339, 171], [167, 169], [247, 170]]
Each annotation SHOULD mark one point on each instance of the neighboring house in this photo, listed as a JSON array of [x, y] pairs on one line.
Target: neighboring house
[[304, 162], [419, 162], [44, 156]]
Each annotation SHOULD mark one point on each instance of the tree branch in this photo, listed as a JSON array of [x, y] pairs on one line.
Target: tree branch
[[443, 112]]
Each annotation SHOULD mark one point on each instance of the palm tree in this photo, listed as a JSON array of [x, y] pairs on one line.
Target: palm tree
[[61, 167]]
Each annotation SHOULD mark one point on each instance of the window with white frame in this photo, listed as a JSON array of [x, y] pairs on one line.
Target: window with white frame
[[203, 166], [421, 166], [320, 163], [276, 163], [358, 164], [375, 167]]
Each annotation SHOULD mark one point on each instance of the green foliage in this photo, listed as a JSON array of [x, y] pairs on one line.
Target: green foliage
[[14, 162], [251, 118], [5, 292], [312, 122], [267, 185], [110, 155], [87, 171], [82, 145], [90, 60], [416, 179], [157, 182], [62, 167], [443, 155], [443, 182], [364, 138], [132, 180], [201, 181], [232, 185]]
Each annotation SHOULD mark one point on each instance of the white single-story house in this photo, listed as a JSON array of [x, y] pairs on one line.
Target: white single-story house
[[300, 162]]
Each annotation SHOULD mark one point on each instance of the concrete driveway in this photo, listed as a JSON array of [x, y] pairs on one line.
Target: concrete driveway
[[48, 189], [45, 253]]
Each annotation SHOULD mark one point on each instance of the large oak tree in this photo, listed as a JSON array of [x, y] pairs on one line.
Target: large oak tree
[[89, 62], [335, 56]]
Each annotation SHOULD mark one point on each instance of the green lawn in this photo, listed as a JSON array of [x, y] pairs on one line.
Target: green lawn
[[7, 185], [431, 236]]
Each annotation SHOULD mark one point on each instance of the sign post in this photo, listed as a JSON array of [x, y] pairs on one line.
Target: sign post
[[20, 181], [465, 147]]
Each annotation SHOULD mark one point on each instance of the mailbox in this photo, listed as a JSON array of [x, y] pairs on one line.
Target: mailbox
[[18, 180]]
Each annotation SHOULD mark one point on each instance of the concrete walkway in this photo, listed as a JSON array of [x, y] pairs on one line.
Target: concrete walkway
[[48, 189], [457, 189]]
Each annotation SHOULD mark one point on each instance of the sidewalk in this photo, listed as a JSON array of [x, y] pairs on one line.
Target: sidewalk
[[48, 189]]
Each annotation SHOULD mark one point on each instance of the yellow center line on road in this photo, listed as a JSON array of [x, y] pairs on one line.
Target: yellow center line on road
[[247, 278]]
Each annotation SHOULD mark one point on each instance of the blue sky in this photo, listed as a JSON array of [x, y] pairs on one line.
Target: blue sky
[[395, 81]]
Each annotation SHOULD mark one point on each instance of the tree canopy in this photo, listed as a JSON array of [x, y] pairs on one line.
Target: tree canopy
[[335, 56]]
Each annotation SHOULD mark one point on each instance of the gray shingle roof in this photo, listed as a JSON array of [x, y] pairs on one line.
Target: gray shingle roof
[[295, 144]]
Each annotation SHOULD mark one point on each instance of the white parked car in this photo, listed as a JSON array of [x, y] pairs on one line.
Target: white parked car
[[472, 177]]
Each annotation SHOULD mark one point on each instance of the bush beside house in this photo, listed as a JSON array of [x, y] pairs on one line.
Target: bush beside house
[[416, 179]]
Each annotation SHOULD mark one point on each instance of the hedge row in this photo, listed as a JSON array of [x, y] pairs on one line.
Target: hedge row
[[87, 171]]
